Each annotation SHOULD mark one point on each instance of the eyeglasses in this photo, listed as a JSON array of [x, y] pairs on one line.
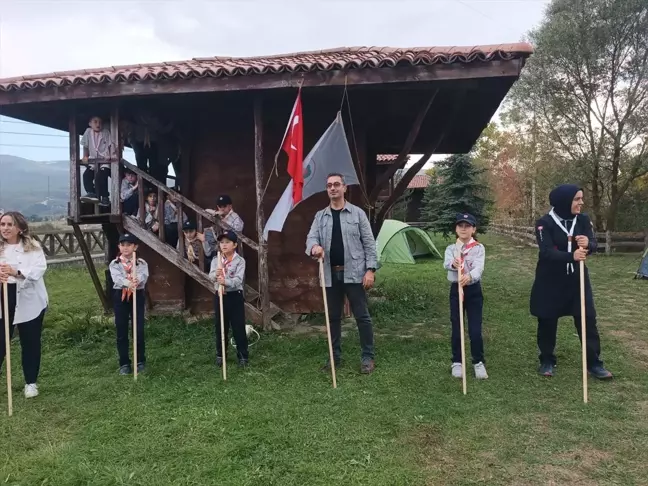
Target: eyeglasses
[[331, 185]]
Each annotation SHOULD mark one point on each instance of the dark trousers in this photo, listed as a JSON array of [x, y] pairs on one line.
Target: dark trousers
[[473, 306], [234, 315], [171, 234], [101, 188], [131, 205], [123, 314], [148, 159], [358, 300], [547, 330], [30, 338]]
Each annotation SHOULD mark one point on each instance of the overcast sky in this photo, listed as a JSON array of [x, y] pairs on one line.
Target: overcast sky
[[56, 35]]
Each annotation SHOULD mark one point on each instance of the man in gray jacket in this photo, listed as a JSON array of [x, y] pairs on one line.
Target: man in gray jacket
[[341, 235]]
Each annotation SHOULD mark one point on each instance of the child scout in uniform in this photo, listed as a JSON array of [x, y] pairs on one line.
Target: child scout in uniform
[[126, 279], [472, 255], [230, 275]]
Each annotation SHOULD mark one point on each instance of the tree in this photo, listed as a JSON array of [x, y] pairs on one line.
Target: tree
[[585, 90], [457, 190]]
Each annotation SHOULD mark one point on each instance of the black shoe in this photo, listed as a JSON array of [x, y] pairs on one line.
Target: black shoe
[[599, 372], [141, 367], [105, 202], [243, 363], [125, 369], [90, 197], [546, 369], [219, 361]]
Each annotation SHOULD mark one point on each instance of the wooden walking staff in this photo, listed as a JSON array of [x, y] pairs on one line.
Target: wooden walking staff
[[222, 315], [5, 316], [583, 329], [134, 277], [328, 322], [458, 247]]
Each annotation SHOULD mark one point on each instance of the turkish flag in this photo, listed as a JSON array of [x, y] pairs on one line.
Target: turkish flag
[[293, 145]]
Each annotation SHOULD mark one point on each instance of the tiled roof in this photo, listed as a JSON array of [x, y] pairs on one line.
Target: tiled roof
[[420, 181], [386, 159], [327, 60]]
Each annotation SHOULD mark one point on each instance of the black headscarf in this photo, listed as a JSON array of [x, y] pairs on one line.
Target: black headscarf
[[561, 199]]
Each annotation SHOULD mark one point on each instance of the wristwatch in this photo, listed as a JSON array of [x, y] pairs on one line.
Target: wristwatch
[[19, 273]]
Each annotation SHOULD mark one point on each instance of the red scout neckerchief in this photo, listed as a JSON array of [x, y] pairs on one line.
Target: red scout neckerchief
[[128, 266], [467, 247], [226, 263]]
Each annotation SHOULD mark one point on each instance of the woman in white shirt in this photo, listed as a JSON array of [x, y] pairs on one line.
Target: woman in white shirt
[[22, 266]]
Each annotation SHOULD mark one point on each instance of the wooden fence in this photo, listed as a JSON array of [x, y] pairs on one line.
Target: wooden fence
[[61, 246], [608, 242]]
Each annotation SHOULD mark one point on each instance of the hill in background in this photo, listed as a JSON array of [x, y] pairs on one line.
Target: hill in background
[[34, 188]]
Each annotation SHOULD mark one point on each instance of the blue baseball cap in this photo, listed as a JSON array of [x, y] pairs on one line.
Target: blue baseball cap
[[128, 238], [466, 218], [230, 235]]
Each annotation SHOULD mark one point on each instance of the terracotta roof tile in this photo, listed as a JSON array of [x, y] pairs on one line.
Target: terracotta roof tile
[[216, 67], [420, 181], [387, 159]]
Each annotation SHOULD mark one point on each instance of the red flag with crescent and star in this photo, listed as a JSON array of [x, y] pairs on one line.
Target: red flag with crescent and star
[[293, 145]]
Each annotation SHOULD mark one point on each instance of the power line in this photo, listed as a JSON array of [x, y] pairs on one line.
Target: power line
[[34, 134], [34, 146]]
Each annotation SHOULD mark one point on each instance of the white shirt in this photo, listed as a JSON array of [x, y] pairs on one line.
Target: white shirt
[[31, 294]]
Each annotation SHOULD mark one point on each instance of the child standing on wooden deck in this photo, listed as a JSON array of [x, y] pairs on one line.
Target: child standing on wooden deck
[[128, 193], [127, 280], [230, 275], [471, 255], [97, 144]]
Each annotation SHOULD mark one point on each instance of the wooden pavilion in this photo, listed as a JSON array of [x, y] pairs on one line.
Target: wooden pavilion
[[230, 114]]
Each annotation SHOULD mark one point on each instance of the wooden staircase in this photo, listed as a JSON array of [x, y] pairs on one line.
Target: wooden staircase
[[131, 225]]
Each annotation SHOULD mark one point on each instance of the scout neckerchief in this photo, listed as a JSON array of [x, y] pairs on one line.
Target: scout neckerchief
[[570, 235], [466, 248], [128, 268], [191, 253]]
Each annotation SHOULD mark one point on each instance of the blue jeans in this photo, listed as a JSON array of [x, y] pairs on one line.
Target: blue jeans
[[358, 300]]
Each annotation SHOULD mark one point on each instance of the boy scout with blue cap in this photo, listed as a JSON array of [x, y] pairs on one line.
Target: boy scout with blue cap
[[230, 274], [471, 254], [126, 280]]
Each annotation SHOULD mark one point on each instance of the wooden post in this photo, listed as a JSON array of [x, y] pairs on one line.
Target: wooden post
[[141, 208], [75, 183], [160, 214], [264, 297], [115, 181], [85, 251]]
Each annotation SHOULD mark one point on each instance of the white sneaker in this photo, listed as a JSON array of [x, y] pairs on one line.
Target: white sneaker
[[480, 371], [456, 370], [31, 390]]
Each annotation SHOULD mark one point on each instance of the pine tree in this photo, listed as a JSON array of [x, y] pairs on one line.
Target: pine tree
[[459, 190]]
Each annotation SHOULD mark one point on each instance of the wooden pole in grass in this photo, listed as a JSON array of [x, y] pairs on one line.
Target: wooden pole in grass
[[328, 322], [134, 276], [222, 316], [458, 246], [583, 329], [5, 316]]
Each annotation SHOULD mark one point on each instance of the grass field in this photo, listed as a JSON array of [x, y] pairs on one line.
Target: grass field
[[281, 423]]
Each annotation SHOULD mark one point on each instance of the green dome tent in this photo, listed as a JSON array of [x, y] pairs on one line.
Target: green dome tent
[[399, 242]]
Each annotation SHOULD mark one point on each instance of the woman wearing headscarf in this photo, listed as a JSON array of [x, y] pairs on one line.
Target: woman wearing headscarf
[[22, 267], [565, 237]]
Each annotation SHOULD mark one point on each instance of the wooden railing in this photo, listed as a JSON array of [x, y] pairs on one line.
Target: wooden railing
[[181, 202], [608, 242], [61, 243]]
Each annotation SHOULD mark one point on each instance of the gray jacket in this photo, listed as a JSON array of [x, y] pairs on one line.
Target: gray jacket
[[119, 275], [359, 243], [234, 273], [473, 262]]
